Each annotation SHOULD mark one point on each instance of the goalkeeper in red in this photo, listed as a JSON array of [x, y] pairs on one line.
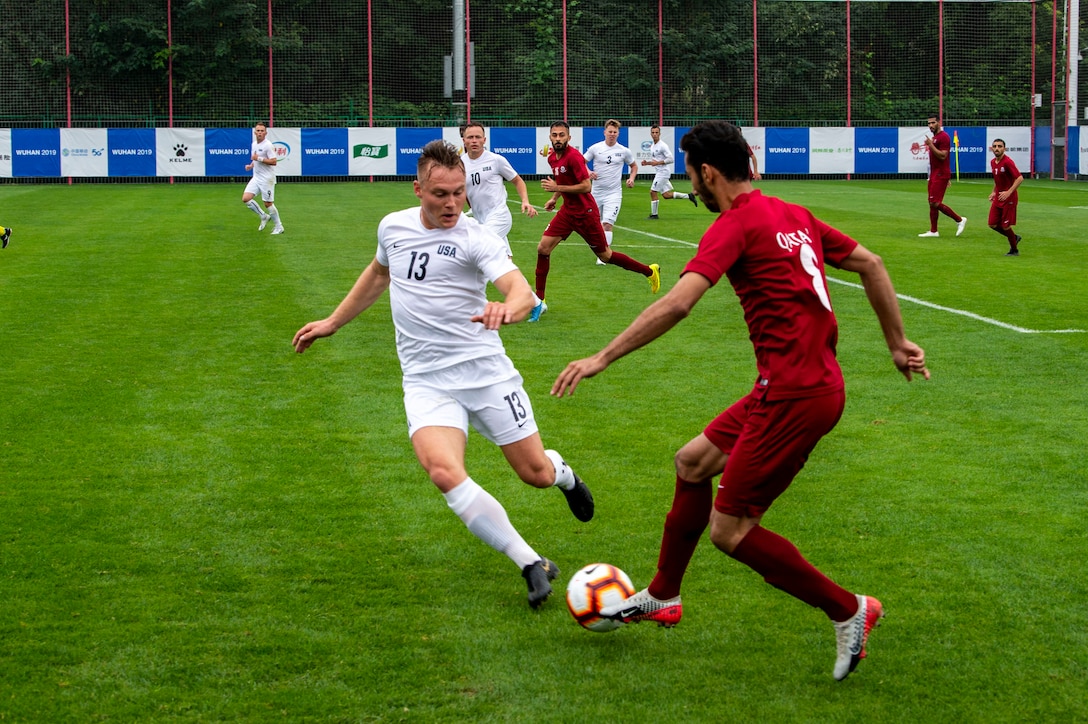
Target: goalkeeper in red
[[1003, 200], [773, 254]]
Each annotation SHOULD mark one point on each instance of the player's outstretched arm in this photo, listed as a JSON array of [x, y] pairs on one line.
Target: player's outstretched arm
[[908, 357], [527, 207], [368, 287], [655, 320]]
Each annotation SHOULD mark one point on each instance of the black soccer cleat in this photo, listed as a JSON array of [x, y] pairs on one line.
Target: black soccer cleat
[[652, 216], [693, 199], [580, 499], [5, 236], [538, 575]]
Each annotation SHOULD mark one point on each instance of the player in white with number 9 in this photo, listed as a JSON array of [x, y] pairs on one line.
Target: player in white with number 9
[[774, 254]]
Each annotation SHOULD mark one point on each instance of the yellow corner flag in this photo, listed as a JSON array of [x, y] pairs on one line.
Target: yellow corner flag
[[956, 143]]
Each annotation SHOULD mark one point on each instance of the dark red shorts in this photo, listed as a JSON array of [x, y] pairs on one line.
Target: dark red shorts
[[587, 225], [937, 188], [767, 443], [1002, 216]]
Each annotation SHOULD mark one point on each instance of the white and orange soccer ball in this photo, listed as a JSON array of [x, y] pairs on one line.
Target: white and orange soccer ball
[[594, 587]]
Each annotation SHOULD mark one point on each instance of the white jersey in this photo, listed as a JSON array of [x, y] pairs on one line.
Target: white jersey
[[608, 164], [262, 172], [486, 177], [437, 282], [660, 151]]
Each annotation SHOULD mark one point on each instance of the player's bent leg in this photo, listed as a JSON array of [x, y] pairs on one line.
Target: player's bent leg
[[441, 452], [699, 459], [528, 459], [727, 531]]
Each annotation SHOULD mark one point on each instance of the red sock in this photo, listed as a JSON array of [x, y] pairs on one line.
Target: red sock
[[625, 262], [933, 215], [950, 213], [684, 525], [783, 566], [1011, 236], [543, 266]]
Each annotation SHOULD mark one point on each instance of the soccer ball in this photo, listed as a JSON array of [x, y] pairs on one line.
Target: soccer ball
[[594, 587]]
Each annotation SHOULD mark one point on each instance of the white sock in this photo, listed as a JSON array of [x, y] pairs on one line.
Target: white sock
[[564, 476], [608, 237], [653, 207], [677, 195], [275, 214], [487, 520], [255, 207]]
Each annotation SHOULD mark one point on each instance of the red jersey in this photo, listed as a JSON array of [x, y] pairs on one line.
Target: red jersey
[[941, 168], [1005, 173], [773, 253], [571, 170]]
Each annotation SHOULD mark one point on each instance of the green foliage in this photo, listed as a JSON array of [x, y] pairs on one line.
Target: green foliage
[[220, 49]]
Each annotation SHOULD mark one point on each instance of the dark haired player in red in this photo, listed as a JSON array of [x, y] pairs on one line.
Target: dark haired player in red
[[579, 213], [773, 254], [1003, 200], [940, 175]]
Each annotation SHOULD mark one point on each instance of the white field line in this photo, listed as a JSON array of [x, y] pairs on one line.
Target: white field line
[[904, 297]]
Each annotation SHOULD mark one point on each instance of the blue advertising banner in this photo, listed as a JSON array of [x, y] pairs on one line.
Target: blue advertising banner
[[227, 151], [35, 152], [875, 150], [132, 151], [324, 152], [787, 150], [974, 149], [677, 152], [516, 144], [388, 152], [410, 143]]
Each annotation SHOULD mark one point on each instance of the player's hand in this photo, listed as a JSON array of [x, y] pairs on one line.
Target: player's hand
[[549, 185], [528, 209], [249, 167], [630, 183], [910, 359], [549, 205], [575, 372], [495, 315], [314, 330]]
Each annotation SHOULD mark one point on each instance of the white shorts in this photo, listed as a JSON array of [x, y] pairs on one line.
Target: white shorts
[[488, 393], [265, 191], [501, 224], [610, 208], [661, 184]]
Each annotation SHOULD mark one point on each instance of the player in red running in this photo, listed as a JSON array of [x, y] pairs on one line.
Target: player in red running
[[579, 213], [773, 254], [1003, 200], [940, 175]]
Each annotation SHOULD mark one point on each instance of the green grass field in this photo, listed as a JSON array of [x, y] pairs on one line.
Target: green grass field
[[198, 524]]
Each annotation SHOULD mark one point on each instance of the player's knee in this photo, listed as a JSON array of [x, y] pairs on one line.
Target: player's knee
[[689, 465], [446, 477], [538, 473], [724, 536]]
